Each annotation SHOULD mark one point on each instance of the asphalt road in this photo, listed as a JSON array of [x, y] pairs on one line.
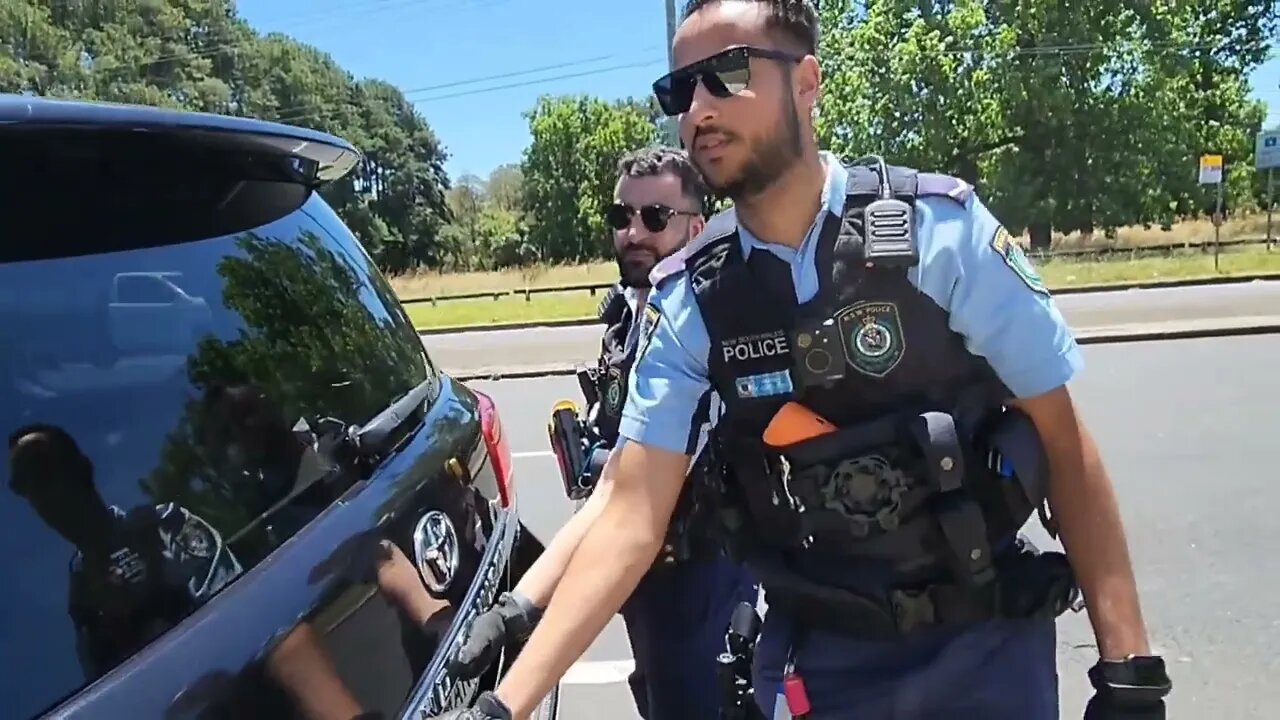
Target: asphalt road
[[1185, 427], [539, 347]]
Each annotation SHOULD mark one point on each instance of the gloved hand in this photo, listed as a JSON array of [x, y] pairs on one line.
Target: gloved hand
[[510, 620], [487, 707], [1132, 689], [1104, 707]]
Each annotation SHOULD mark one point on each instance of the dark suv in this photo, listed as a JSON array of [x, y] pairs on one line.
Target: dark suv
[[236, 485]]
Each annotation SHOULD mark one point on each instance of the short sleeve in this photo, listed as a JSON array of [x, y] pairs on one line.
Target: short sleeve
[[995, 298], [669, 392]]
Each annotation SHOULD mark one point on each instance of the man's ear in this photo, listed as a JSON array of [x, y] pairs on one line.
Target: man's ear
[[808, 83]]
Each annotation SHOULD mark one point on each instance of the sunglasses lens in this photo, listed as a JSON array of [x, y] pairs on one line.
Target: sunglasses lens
[[618, 216], [675, 92], [654, 217], [724, 75], [728, 73]]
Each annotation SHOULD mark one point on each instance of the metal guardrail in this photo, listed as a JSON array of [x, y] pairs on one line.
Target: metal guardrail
[[593, 288]]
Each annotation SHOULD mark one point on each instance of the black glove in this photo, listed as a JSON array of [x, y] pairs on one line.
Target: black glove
[[510, 620], [487, 707], [1132, 689]]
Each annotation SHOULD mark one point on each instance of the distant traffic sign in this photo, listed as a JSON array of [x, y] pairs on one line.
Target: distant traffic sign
[[1210, 169], [1266, 154]]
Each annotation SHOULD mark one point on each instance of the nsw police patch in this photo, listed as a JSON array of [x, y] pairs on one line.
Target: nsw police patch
[[872, 335], [648, 325], [1008, 250], [613, 392]]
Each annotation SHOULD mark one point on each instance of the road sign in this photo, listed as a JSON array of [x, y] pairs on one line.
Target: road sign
[[1210, 169], [1266, 153]]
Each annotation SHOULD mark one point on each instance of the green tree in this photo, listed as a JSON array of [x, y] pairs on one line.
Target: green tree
[[503, 187], [1067, 117], [570, 168], [200, 55]]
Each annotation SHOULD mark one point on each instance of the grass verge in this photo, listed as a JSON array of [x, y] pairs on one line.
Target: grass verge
[[1057, 274]]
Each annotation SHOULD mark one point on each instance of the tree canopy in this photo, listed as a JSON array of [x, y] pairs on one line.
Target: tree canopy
[[1067, 116]]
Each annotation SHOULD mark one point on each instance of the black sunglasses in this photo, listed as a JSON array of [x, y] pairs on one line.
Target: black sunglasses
[[724, 74], [655, 217]]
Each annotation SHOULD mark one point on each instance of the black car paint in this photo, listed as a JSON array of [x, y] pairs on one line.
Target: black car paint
[[314, 603], [322, 575]]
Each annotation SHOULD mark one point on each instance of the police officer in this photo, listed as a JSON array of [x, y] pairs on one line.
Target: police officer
[[895, 380], [677, 616]]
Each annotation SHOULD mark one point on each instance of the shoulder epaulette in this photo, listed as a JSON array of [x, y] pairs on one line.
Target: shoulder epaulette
[[938, 185], [720, 225]]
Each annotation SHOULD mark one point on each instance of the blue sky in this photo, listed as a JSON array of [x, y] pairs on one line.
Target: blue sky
[[435, 50]]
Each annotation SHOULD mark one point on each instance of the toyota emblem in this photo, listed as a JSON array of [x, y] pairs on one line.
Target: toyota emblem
[[435, 545]]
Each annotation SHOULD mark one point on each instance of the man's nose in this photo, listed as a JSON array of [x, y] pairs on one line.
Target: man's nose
[[703, 108]]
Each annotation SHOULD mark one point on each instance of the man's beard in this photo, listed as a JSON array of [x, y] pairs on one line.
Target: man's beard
[[769, 160], [636, 274]]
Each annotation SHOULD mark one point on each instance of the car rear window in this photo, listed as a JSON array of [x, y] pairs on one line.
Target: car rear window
[[167, 315]]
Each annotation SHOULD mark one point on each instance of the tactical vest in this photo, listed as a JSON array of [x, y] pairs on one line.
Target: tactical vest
[[902, 484], [687, 535], [615, 364]]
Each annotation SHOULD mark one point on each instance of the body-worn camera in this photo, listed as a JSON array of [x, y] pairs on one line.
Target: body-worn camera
[[818, 353]]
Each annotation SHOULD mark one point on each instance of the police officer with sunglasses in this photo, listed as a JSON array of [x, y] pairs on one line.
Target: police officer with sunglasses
[[895, 378], [677, 617]]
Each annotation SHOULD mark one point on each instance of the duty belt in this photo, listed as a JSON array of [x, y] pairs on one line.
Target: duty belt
[[1028, 584]]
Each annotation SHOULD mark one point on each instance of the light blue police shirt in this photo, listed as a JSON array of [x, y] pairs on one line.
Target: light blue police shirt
[[1015, 327]]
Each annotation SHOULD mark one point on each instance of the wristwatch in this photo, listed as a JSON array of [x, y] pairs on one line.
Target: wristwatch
[[1138, 679]]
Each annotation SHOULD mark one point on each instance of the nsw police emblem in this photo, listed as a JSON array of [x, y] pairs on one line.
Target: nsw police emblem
[[1017, 260], [613, 392], [648, 324], [872, 336]]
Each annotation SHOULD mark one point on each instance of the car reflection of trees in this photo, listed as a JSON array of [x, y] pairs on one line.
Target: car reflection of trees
[[317, 343], [321, 338]]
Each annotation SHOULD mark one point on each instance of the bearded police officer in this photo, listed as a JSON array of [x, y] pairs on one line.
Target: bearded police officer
[[677, 616], [895, 380]]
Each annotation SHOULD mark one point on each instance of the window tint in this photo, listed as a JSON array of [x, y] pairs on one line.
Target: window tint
[[148, 398]]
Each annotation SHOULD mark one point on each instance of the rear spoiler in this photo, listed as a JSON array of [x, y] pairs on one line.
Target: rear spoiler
[[316, 158]]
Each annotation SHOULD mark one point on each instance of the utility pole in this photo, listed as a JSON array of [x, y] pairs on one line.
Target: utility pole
[[671, 32], [673, 131]]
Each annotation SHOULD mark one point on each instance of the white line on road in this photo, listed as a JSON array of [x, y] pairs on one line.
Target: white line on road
[[532, 453], [599, 672]]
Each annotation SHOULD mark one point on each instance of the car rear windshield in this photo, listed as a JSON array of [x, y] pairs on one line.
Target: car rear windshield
[[168, 312]]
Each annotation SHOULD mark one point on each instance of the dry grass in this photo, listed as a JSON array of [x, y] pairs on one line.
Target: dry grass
[[1057, 274], [429, 284]]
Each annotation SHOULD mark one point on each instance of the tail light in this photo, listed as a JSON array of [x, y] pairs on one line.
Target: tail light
[[495, 441]]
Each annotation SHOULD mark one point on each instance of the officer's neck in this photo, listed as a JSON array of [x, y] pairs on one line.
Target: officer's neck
[[783, 212]]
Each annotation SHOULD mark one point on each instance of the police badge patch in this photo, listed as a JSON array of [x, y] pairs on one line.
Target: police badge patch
[[613, 392], [1017, 260], [872, 335], [648, 324]]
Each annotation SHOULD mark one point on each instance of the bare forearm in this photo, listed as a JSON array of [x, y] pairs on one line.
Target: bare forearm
[[1084, 506], [606, 567], [540, 581]]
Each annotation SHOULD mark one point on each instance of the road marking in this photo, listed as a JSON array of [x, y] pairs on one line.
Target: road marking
[[600, 672], [532, 454]]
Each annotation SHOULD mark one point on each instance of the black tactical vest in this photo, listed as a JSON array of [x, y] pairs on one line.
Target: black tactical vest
[[902, 483], [615, 364]]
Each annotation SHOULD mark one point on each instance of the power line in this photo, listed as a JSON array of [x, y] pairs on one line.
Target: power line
[[598, 71], [290, 114], [285, 114]]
